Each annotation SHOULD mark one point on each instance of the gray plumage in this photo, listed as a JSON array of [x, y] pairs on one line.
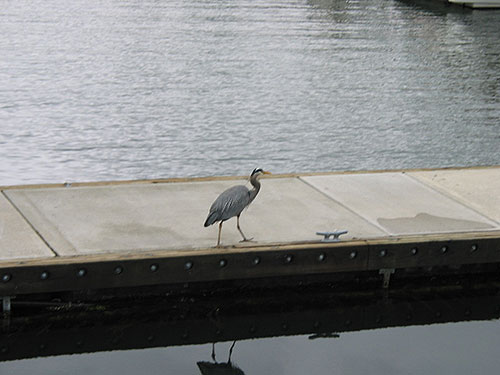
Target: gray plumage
[[232, 202]]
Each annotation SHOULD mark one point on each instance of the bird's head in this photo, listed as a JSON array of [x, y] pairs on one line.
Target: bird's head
[[257, 172]]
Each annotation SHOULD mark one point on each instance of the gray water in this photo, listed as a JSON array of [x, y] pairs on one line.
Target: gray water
[[146, 89], [447, 349], [101, 90]]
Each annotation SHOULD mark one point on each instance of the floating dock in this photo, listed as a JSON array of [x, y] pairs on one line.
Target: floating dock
[[84, 237], [477, 4]]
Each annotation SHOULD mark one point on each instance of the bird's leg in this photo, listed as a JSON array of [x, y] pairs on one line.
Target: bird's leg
[[231, 352], [238, 226], [218, 237]]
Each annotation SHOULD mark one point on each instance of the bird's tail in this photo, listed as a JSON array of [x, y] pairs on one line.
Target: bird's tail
[[212, 218]]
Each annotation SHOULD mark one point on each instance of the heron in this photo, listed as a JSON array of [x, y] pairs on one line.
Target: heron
[[232, 201]]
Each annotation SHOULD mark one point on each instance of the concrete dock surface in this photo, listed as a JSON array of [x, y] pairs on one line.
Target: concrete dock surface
[[130, 235], [148, 216]]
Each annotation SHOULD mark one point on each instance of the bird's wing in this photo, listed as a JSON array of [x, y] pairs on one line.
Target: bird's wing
[[231, 202]]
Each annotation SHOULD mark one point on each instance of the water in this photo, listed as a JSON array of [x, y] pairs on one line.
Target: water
[[146, 89], [449, 350], [319, 330]]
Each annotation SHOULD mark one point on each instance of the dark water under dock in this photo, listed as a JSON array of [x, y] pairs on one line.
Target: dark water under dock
[[442, 325], [448, 349]]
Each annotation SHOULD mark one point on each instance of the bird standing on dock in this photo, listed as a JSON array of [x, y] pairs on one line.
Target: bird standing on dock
[[232, 202]]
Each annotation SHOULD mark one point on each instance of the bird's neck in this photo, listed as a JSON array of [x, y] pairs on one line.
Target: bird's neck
[[256, 187]]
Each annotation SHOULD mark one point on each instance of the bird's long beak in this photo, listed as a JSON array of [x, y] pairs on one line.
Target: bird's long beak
[[266, 172]]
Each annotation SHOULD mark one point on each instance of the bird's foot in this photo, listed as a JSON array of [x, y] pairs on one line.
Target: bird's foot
[[247, 240]]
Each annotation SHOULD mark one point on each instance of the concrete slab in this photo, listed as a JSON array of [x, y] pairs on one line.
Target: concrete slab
[[478, 188], [17, 239], [85, 220], [399, 204], [288, 210]]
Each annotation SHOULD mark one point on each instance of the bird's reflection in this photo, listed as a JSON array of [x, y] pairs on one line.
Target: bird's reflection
[[223, 368]]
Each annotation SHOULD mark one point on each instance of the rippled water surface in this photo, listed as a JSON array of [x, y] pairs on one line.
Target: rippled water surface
[[143, 89]]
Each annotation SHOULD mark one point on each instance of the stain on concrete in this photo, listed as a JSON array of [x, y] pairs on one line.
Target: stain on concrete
[[426, 223]]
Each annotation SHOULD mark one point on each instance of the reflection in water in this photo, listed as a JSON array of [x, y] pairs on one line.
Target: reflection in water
[[320, 310], [215, 368], [292, 330]]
